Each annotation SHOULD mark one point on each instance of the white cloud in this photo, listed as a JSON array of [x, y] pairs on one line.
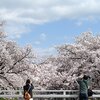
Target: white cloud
[[79, 23], [37, 42], [46, 51], [14, 30], [42, 11], [41, 39], [43, 36]]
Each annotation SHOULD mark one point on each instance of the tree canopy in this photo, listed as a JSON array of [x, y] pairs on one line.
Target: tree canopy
[[16, 63], [73, 61], [54, 72]]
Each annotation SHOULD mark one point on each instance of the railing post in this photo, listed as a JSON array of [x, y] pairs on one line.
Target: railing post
[[64, 93], [20, 93], [11, 91]]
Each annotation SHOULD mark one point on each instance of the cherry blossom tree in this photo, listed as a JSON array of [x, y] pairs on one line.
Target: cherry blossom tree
[[80, 58], [16, 63], [59, 71], [71, 62], [46, 74]]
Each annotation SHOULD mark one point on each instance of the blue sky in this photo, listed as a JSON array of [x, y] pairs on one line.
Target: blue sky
[[46, 23]]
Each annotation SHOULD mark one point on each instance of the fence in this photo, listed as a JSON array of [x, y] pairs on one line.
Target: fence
[[46, 94]]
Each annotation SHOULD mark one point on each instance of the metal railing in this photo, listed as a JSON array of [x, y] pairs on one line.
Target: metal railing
[[46, 93]]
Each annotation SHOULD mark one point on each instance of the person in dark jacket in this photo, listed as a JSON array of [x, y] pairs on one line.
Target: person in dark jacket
[[83, 87], [28, 87]]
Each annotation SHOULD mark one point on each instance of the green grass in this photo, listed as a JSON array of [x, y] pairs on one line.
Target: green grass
[[8, 99]]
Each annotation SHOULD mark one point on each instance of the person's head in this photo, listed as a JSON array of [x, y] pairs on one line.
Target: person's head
[[28, 81], [85, 77]]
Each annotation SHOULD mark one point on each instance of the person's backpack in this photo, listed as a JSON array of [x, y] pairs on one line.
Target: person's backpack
[[27, 96], [90, 92]]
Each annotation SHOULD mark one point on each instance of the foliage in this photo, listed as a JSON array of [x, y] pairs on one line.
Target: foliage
[[54, 72], [16, 63], [8, 99], [71, 62]]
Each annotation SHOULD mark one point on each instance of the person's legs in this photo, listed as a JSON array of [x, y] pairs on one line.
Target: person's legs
[[83, 96]]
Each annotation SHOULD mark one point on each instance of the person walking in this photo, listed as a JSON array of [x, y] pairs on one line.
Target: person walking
[[28, 87], [83, 87]]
